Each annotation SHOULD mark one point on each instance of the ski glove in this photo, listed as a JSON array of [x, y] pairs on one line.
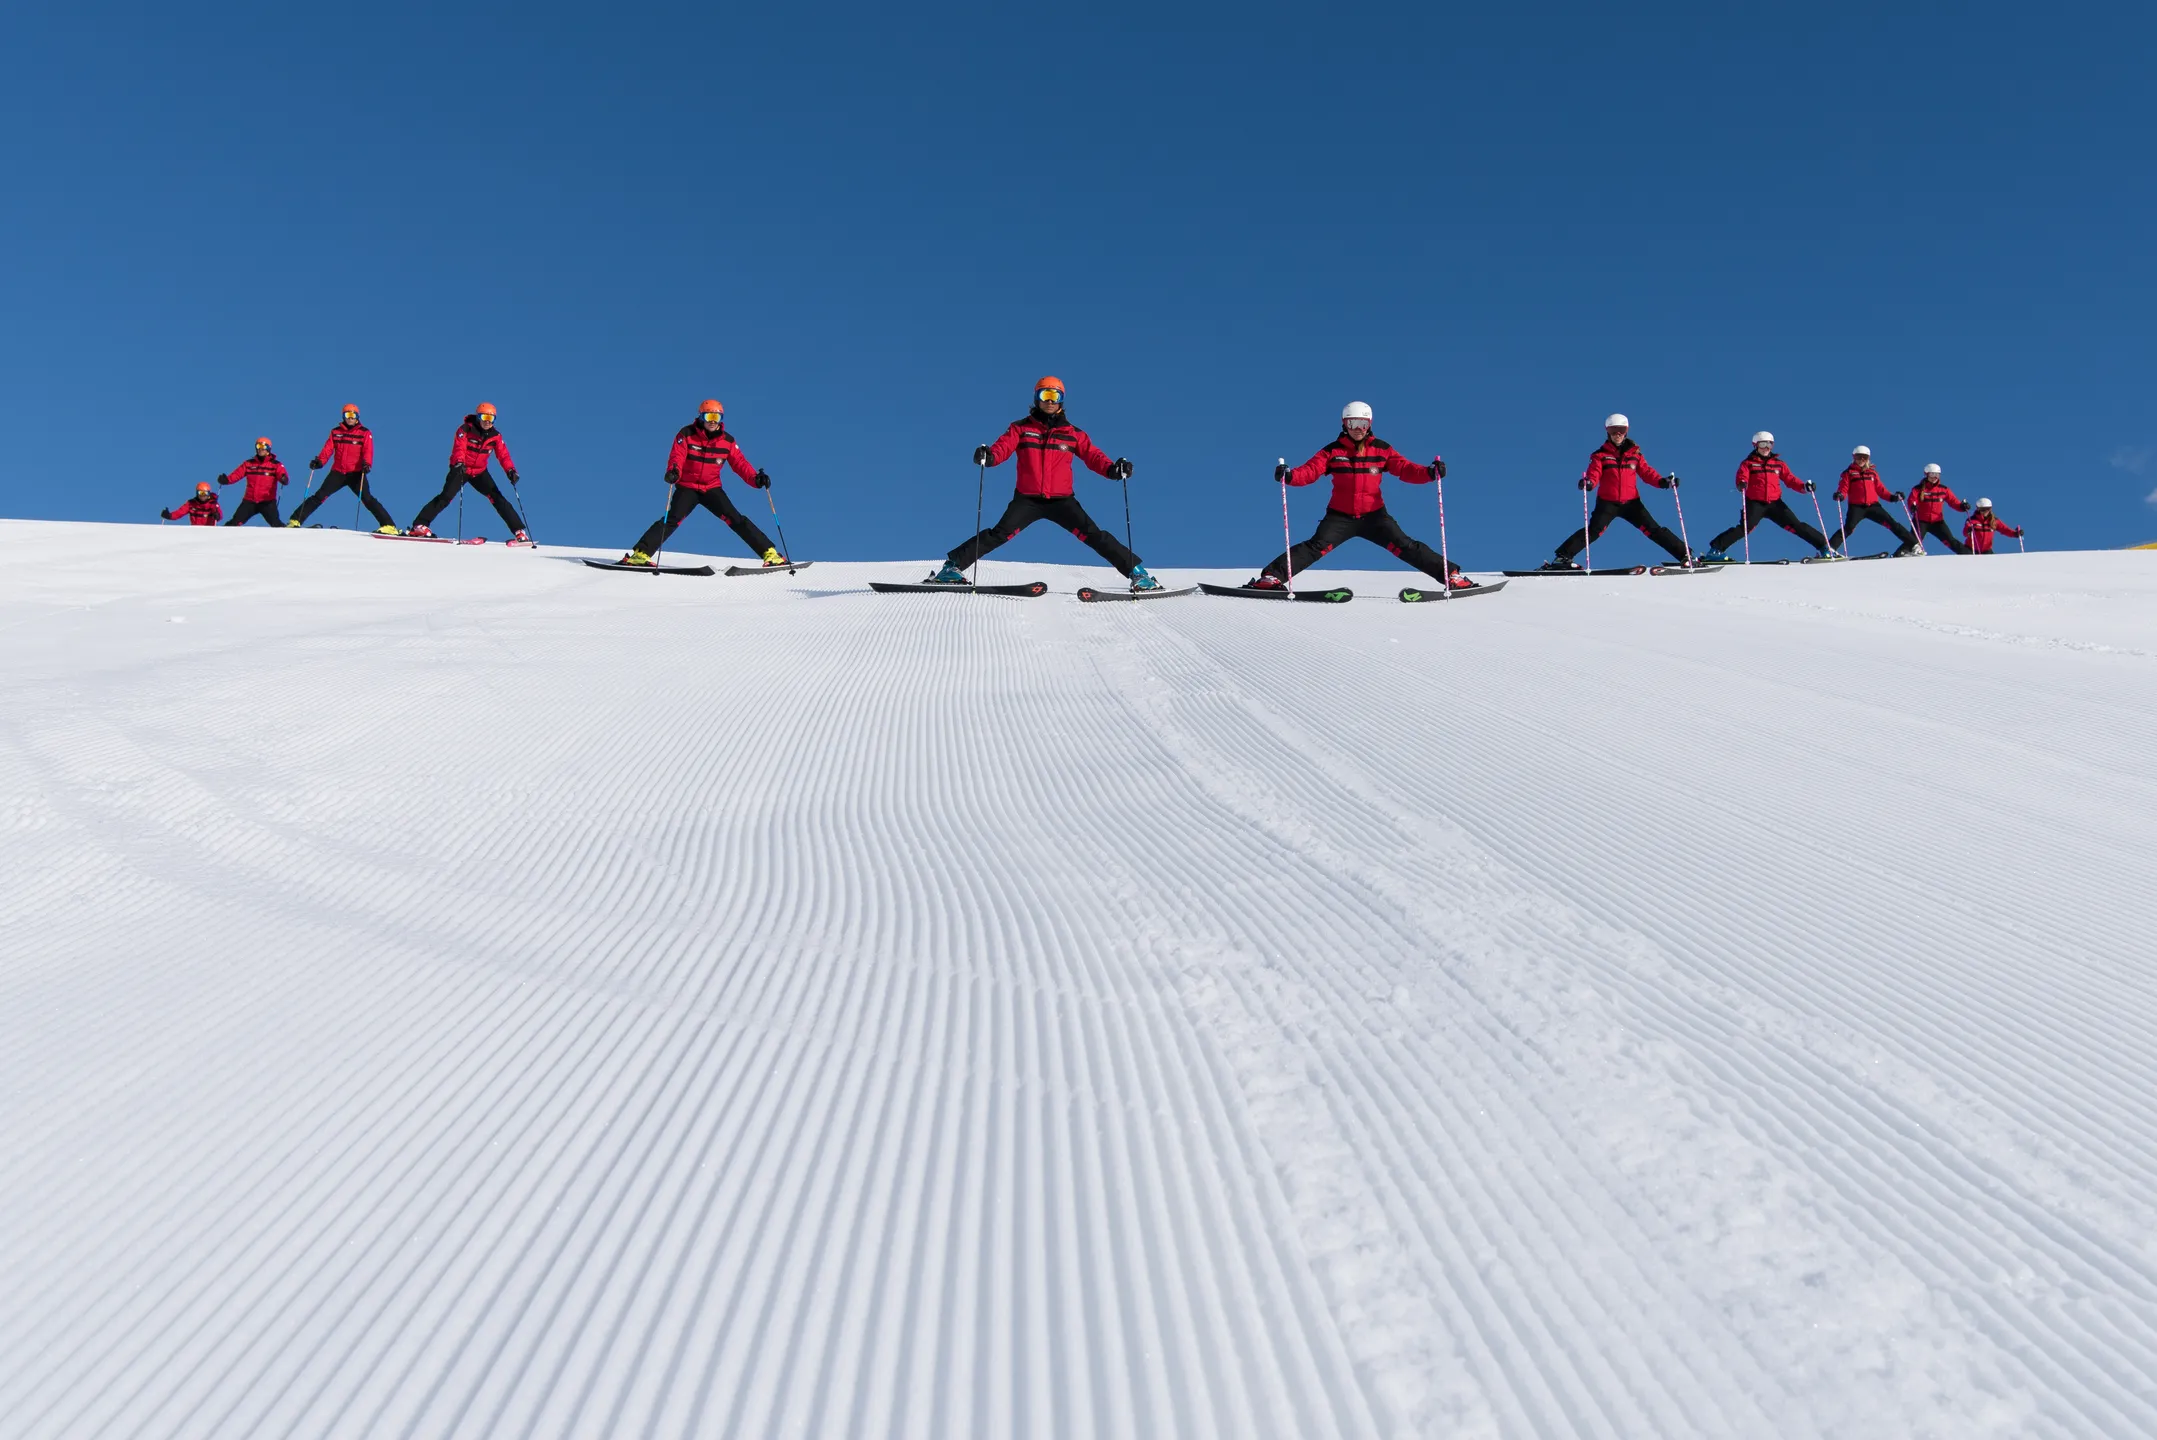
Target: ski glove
[[512, 476], [981, 454], [761, 480], [674, 477], [224, 479], [1895, 495], [315, 464], [164, 514], [1586, 483], [1280, 474], [1119, 469], [1438, 467], [1671, 480]]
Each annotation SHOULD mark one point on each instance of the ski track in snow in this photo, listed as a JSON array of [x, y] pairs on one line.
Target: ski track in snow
[[458, 992]]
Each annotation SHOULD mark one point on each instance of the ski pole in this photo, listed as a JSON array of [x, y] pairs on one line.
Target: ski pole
[[1915, 533], [1819, 518], [522, 504], [1683, 538], [783, 550], [1288, 549], [460, 514], [359, 496], [1445, 562], [1585, 532], [1745, 518], [981, 485], [2020, 546], [1127, 516], [664, 516]]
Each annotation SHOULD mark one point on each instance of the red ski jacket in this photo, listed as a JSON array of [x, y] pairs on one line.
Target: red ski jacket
[[699, 458], [1977, 531], [469, 451], [349, 450], [263, 475], [1617, 470], [1861, 485], [200, 510], [1928, 496], [1359, 473], [1045, 445], [1764, 479]]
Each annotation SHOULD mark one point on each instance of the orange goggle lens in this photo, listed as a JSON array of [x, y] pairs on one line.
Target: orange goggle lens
[[1049, 397]]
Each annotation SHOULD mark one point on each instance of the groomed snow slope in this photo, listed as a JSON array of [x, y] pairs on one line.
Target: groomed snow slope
[[458, 992]]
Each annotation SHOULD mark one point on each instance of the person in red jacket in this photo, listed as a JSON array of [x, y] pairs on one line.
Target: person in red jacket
[[1762, 476], [1861, 490], [1929, 499], [1614, 473], [1358, 462], [349, 452], [202, 510], [696, 466], [476, 442], [264, 473], [1045, 440], [1978, 530]]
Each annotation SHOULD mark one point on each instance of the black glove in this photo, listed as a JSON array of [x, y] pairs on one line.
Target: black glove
[[1586, 484], [512, 476], [366, 470], [1810, 487], [315, 464], [981, 454], [224, 479], [1119, 469], [164, 514], [674, 477], [1895, 495], [1280, 474], [761, 480], [1673, 481], [1438, 467]]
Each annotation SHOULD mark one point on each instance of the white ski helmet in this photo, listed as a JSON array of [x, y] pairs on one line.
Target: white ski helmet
[[1983, 503], [1617, 422], [1355, 410], [1762, 437], [1864, 450], [1932, 469]]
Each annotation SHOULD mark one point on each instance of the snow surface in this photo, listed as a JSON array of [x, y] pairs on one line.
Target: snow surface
[[458, 992]]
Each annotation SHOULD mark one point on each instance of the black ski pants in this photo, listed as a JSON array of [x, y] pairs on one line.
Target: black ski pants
[[1856, 515], [1938, 530], [1759, 510], [715, 500], [1066, 511], [1633, 510], [483, 483], [267, 509], [1378, 527], [337, 481]]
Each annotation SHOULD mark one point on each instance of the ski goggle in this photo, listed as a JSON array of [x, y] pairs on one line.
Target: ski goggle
[[1049, 397], [352, 414]]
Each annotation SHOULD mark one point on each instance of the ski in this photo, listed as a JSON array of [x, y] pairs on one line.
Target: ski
[[522, 544], [1887, 555], [1413, 596], [893, 587], [1741, 564], [789, 567], [1699, 569], [432, 539], [650, 569], [1821, 559], [1613, 570], [1090, 595], [1321, 597]]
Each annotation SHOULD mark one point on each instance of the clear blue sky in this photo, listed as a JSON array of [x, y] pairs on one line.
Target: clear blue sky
[[867, 229]]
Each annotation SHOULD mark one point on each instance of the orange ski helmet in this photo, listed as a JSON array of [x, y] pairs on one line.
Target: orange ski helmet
[[262, 442], [352, 410], [1047, 383], [484, 409], [202, 487], [711, 407]]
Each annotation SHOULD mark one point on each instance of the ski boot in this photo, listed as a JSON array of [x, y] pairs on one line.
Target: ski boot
[[949, 575], [421, 531], [292, 524], [389, 530], [772, 558], [1826, 554], [636, 557], [1714, 557], [1141, 581], [1459, 580], [520, 538], [1265, 582], [1905, 552], [1558, 565]]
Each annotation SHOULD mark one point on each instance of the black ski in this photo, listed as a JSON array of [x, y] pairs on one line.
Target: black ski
[[650, 569], [1613, 570], [1699, 569], [1413, 596], [892, 587], [1887, 555], [1321, 597], [789, 567], [1821, 559], [1090, 595]]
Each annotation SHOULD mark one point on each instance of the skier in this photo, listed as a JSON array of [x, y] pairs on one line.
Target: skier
[[1614, 472], [1861, 490], [1358, 461], [1978, 530], [263, 472], [695, 467], [1928, 499], [349, 452], [1045, 440], [203, 509], [477, 440], [1762, 476]]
